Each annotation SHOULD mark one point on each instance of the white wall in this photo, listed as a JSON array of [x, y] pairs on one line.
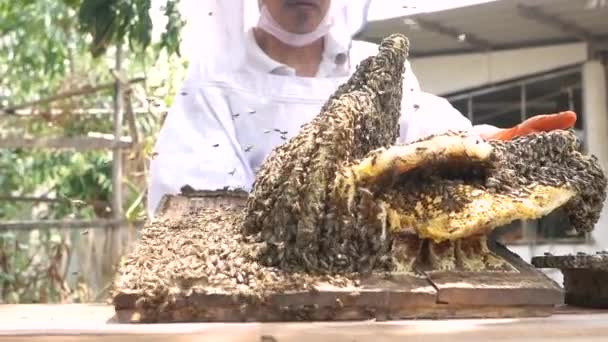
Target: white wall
[[445, 74]]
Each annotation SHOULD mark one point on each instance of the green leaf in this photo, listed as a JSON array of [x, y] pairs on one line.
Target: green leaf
[[7, 277], [8, 237]]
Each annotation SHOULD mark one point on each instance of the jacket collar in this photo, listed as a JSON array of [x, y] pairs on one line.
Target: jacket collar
[[334, 63]]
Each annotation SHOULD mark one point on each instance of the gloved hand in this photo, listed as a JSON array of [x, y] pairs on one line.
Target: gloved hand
[[538, 123]]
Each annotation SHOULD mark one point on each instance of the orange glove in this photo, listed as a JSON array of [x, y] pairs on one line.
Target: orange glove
[[538, 123]]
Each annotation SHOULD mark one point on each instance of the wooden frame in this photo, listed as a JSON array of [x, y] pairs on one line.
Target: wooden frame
[[437, 294]]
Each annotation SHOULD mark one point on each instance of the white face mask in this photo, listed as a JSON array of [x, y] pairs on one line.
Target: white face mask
[[268, 24]]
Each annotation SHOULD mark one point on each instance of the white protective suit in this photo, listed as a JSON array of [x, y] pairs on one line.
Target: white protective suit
[[236, 104]]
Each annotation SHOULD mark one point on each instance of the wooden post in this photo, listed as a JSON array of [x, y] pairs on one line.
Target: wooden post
[[117, 151], [112, 236]]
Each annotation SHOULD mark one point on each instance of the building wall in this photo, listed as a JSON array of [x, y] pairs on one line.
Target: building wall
[[447, 74]]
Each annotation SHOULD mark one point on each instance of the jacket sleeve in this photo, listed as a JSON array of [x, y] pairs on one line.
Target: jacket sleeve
[[424, 114], [197, 146]]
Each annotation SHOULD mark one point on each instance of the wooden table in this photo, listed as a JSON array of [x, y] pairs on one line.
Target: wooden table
[[95, 323]]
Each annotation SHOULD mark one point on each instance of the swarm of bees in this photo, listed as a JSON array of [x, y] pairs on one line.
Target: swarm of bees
[[334, 197], [340, 200]]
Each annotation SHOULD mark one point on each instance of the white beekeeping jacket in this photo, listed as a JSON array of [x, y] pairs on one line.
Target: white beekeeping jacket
[[231, 112]]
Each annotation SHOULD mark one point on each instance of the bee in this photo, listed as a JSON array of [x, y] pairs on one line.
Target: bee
[[232, 172], [215, 145], [248, 148]]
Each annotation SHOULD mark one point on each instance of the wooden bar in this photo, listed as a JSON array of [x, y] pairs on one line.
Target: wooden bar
[[70, 224], [65, 143], [117, 162], [400, 297], [32, 199], [520, 291], [83, 112], [11, 110], [96, 322], [528, 286]]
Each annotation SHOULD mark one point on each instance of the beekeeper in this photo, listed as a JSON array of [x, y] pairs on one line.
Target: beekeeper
[[267, 69]]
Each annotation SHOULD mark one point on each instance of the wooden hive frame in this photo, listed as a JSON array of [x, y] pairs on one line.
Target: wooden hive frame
[[435, 294]]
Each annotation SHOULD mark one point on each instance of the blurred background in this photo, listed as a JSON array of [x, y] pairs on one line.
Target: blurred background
[[85, 85]]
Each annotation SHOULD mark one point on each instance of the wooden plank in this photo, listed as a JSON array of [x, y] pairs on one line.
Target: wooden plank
[[498, 289], [83, 112], [400, 296], [526, 287], [567, 309], [70, 143], [72, 93], [235, 314], [93, 322], [32, 199], [380, 297], [127, 91], [117, 160], [173, 207], [69, 224]]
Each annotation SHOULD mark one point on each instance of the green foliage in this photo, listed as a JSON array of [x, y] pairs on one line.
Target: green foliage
[[171, 38], [47, 47], [111, 21], [39, 45]]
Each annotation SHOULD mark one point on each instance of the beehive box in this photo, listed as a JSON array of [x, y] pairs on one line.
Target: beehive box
[[166, 279]]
